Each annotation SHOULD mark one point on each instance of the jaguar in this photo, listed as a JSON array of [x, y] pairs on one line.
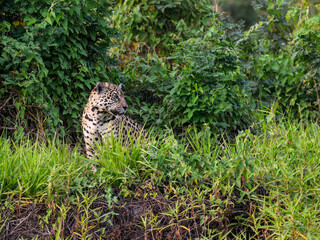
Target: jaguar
[[104, 116]]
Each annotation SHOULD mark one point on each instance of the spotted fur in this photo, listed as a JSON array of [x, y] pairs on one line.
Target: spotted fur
[[104, 115]]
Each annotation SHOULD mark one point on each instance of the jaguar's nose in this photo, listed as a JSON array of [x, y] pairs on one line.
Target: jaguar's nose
[[125, 107]]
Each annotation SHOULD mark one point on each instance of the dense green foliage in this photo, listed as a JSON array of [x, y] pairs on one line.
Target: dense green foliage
[[222, 74], [180, 67], [205, 84], [209, 84], [52, 54], [149, 26], [281, 59]]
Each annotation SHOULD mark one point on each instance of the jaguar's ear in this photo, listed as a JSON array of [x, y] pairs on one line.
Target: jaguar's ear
[[99, 87], [120, 85]]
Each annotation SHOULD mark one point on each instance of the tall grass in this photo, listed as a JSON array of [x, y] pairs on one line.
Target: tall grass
[[275, 170], [37, 170], [283, 158]]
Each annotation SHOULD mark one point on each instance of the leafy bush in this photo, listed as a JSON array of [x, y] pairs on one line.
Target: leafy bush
[[306, 54], [148, 82], [210, 86], [212, 76], [202, 82], [280, 59], [52, 53], [152, 25], [275, 77]]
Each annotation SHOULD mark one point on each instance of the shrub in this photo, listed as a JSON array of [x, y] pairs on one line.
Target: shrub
[[305, 50], [201, 83], [52, 53], [151, 26], [283, 65], [148, 81], [276, 77], [210, 87]]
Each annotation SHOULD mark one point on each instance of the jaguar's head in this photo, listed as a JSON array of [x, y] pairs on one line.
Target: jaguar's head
[[109, 98]]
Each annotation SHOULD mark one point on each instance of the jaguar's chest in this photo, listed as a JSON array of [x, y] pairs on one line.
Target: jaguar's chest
[[105, 126]]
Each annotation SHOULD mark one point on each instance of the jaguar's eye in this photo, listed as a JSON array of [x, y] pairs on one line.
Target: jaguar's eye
[[117, 98]]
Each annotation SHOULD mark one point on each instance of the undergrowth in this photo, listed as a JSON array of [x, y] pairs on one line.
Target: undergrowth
[[262, 185]]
